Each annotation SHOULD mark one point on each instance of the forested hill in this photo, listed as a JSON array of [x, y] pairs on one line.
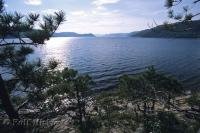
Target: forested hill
[[72, 34], [177, 30]]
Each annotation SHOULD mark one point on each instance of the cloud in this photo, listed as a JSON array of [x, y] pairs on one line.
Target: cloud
[[114, 16], [104, 2], [49, 11], [79, 13], [95, 20], [33, 2]]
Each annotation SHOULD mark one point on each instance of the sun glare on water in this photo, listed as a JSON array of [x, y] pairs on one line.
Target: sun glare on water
[[58, 48]]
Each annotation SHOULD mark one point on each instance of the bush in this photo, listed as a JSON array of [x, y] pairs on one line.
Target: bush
[[164, 122]]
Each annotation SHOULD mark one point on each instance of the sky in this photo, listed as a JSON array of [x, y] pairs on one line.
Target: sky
[[97, 16]]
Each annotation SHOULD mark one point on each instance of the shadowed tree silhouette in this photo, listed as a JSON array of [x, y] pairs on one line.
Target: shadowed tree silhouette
[[188, 14], [13, 59]]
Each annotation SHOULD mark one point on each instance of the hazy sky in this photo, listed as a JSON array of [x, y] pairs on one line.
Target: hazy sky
[[98, 16]]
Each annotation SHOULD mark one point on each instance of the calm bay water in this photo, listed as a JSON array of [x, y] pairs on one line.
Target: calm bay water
[[106, 59]]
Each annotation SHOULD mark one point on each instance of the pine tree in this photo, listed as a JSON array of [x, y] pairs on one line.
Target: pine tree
[[13, 55], [187, 12]]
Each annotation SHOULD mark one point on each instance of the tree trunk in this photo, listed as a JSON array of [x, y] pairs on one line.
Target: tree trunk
[[169, 101], [9, 108], [80, 113], [145, 109]]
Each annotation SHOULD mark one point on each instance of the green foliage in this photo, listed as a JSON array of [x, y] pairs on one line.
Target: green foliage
[[149, 88], [48, 27], [1, 6], [169, 3], [194, 100], [187, 13], [152, 124], [186, 22], [170, 123], [11, 58], [19, 26], [162, 82], [31, 80], [66, 85], [38, 36], [112, 114], [149, 91], [164, 122]]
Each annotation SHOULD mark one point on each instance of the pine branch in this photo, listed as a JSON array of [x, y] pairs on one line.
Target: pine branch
[[25, 43], [196, 1]]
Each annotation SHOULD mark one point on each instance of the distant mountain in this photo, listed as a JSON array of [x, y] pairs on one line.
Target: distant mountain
[[118, 34], [176, 30], [72, 34]]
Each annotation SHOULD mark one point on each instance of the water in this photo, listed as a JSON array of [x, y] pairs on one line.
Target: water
[[106, 59]]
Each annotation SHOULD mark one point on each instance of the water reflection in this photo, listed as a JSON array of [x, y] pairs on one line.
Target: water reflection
[[55, 48]]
